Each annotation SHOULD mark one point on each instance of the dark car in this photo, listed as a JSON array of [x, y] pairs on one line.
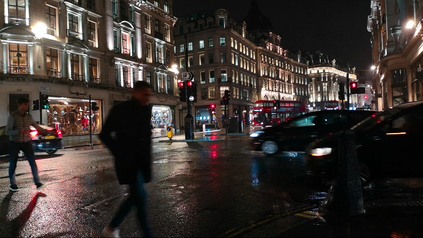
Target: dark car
[[388, 145], [49, 143], [297, 133]]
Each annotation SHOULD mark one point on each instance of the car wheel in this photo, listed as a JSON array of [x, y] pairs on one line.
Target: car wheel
[[365, 174], [21, 154], [50, 152], [270, 147]]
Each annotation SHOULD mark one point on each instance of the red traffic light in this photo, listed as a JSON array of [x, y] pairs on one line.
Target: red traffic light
[[189, 83], [353, 85], [181, 84], [212, 106]]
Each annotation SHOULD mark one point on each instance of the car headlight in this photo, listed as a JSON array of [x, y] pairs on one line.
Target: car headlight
[[318, 152], [256, 134]]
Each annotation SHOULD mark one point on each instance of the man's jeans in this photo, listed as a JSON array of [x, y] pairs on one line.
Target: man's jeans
[[26, 147], [138, 198]]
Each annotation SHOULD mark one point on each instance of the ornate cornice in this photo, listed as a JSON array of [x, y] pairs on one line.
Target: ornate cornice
[[162, 13]]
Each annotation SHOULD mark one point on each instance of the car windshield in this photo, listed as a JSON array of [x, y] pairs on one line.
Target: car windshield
[[374, 120]]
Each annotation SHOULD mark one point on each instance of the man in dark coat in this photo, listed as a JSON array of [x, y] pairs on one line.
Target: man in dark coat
[[127, 134]]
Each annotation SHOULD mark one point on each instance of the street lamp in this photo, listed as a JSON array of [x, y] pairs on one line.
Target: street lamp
[[410, 24], [40, 30], [373, 67]]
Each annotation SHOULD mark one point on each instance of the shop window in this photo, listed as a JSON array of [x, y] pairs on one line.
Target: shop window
[[74, 25], [51, 20], [93, 67], [75, 73], [17, 12], [18, 55], [92, 33], [52, 59], [162, 116], [73, 116]]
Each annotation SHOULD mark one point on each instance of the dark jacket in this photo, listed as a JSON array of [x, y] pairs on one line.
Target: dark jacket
[[127, 134]]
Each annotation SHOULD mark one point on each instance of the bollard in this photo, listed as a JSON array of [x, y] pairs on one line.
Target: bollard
[[345, 198]]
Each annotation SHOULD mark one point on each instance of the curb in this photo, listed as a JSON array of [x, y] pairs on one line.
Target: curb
[[171, 141]]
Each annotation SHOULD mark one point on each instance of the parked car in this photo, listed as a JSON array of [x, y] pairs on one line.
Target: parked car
[[297, 133], [49, 143], [388, 145]]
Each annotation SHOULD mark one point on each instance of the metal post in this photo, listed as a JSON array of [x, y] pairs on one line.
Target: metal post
[[41, 109], [189, 120], [348, 91], [91, 133]]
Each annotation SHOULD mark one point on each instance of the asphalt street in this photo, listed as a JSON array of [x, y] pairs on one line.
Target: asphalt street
[[198, 189]]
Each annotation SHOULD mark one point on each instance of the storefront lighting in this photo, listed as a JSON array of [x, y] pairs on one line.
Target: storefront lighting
[[39, 30]]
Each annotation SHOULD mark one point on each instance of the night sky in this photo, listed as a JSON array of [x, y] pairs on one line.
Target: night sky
[[335, 27]]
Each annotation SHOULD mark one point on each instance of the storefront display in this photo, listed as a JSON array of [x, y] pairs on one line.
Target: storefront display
[[161, 117], [72, 116]]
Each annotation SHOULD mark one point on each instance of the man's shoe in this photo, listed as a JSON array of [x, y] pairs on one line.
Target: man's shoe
[[39, 185], [108, 231], [14, 188]]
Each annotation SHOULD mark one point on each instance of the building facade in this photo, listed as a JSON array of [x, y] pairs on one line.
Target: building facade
[[325, 78], [74, 50], [396, 27]]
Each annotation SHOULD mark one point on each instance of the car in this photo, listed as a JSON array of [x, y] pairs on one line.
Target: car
[[387, 143], [49, 143], [297, 133]]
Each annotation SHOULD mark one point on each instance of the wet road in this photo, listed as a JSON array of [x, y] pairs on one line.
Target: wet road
[[198, 189]]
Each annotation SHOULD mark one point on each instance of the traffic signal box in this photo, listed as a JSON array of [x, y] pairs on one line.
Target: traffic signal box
[[276, 104], [44, 102], [227, 97], [357, 90], [36, 105], [182, 92], [341, 93], [192, 91]]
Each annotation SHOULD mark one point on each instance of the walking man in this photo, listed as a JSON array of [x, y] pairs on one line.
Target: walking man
[[127, 134], [20, 139]]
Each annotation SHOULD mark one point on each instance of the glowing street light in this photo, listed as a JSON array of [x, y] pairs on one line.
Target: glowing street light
[[410, 24], [373, 67], [40, 30]]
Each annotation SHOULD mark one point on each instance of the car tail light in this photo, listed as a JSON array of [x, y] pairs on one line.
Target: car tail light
[[34, 135], [59, 133]]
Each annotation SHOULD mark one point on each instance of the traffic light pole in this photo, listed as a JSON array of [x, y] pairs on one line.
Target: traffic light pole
[[348, 92], [189, 120], [41, 108]]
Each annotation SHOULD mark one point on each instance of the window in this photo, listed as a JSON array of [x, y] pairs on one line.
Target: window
[[116, 40], [126, 44], [148, 52], [115, 9], [222, 41], [211, 77], [18, 59], [223, 57], [74, 26], [93, 68], [167, 32], [126, 77], [167, 62], [190, 61], [212, 92], [156, 3], [204, 93], [190, 46], [182, 63], [169, 85], [203, 77], [211, 58], [157, 26], [202, 60], [166, 6], [51, 20], [222, 91], [224, 75], [181, 30], [245, 95], [236, 59], [92, 33], [147, 23], [222, 23], [123, 10], [75, 67], [52, 60], [159, 53], [182, 48], [17, 11], [91, 5], [201, 44], [149, 77], [211, 43]]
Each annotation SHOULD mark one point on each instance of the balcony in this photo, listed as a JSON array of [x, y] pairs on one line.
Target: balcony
[[159, 35], [18, 69], [53, 73]]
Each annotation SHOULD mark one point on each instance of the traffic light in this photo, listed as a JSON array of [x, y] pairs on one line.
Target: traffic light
[[44, 101], [354, 88], [36, 105], [227, 97], [94, 106], [276, 104], [192, 91], [182, 92], [213, 108]]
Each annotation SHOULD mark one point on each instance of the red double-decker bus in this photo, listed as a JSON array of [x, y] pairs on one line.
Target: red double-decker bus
[[332, 105], [265, 114]]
